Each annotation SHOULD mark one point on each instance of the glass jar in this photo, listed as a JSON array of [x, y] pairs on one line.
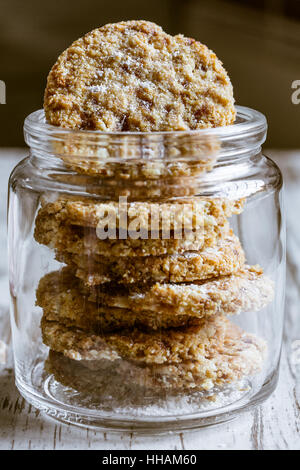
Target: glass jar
[[147, 274]]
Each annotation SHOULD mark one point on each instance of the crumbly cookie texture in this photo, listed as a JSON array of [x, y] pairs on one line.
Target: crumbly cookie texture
[[236, 356], [64, 299], [196, 213], [142, 190], [161, 347], [231, 356], [53, 228], [245, 290], [152, 158], [132, 76], [225, 258], [78, 240], [73, 310]]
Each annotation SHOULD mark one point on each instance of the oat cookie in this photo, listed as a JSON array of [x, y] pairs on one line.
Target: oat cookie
[[52, 228], [157, 347], [140, 157], [142, 190], [228, 359], [132, 76], [236, 356], [81, 240], [245, 290], [196, 213], [225, 258], [63, 299]]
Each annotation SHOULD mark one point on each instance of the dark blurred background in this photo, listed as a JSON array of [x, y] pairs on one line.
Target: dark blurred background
[[257, 40]]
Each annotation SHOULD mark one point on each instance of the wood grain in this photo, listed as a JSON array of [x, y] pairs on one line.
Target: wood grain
[[273, 425]]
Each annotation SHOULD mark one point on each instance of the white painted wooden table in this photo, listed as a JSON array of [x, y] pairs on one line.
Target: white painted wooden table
[[273, 425]]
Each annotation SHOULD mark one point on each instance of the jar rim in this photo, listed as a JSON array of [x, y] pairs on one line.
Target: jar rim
[[249, 122]]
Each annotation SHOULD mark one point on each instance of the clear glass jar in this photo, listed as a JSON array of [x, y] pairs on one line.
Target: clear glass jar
[[147, 274]]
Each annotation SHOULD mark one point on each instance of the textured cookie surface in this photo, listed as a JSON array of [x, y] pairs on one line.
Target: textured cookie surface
[[131, 76], [64, 300], [231, 356], [138, 158], [227, 359], [78, 240], [165, 346], [143, 190], [245, 290], [225, 258], [69, 225], [194, 212]]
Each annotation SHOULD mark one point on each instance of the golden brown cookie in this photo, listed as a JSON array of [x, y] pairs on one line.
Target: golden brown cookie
[[78, 240], [194, 213], [157, 347], [245, 290], [235, 356], [63, 299], [142, 190], [139, 157], [132, 76], [58, 225], [232, 357], [225, 258]]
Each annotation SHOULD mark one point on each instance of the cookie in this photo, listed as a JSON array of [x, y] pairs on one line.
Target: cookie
[[63, 299], [132, 76], [245, 290], [225, 258], [237, 355], [192, 214], [52, 228], [141, 158], [79, 240], [234, 357], [142, 190], [157, 347]]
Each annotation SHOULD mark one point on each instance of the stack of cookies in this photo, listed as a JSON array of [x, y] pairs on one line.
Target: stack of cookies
[[151, 308], [156, 307]]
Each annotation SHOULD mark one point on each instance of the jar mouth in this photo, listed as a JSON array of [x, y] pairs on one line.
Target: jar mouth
[[227, 143], [248, 122]]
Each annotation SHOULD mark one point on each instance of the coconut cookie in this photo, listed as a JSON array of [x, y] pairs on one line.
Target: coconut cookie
[[226, 360], [236, 356], [132, 76], [225, 258], [245, 290], [158, 189], [165, 346], [83, 240], [53, 228], [63, 299], [190, 213], [140, 157]]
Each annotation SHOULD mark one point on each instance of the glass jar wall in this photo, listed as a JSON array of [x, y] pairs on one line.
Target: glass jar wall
[[147, 274]]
